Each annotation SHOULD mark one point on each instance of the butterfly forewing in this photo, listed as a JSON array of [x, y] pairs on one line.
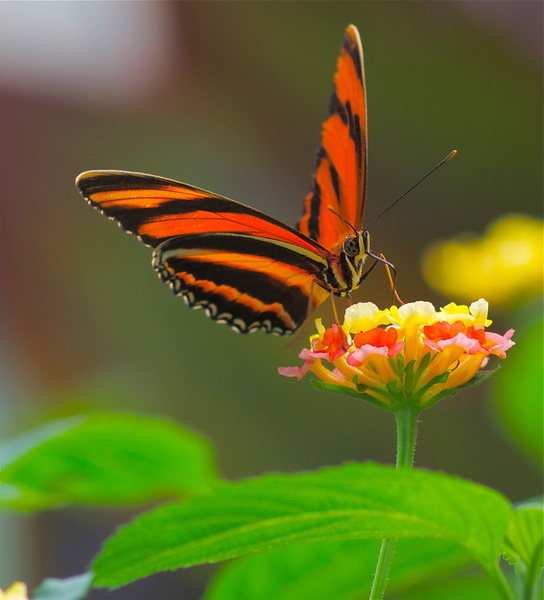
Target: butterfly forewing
[[156, 208], [339, 182], [242, 266]]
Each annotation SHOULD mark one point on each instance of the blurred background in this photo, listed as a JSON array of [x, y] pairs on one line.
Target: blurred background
[[230, 96]]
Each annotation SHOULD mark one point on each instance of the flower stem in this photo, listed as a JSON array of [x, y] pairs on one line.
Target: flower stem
[[406, 417], [385, 558]]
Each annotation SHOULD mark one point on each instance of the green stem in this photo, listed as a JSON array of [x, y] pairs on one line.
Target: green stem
[[385, 558], [406, 418], [406, 435]]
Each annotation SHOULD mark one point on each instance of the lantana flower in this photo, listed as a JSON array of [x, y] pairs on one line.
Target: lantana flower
[[505, 264], [413, 354], [16, 591]]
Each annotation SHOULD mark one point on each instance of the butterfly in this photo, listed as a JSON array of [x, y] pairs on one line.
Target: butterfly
[[240, 265]]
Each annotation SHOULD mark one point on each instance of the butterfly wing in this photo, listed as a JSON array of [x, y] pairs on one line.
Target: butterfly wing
[[242, 266], [339, 182]]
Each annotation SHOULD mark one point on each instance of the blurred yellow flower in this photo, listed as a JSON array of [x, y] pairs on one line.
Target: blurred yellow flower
[[409, 355], [17, 591], [504, 265]]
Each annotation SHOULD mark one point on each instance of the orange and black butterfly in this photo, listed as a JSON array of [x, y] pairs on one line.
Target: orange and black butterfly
[[243, 267]]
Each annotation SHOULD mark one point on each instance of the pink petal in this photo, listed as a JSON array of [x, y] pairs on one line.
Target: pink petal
[[395, 349], [297, 372], [358, 356], [471, 345], [502, 342], [307, 354], [433, 345]]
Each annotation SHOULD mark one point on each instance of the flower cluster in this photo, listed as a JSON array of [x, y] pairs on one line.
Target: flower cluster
[[505, 264], [413, 353], [17, 591]]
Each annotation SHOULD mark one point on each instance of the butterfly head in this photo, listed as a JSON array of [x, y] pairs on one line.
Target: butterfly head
[[355, 250], [357, 245]]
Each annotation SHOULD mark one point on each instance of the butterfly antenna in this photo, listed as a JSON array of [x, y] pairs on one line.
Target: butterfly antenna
[[444, 160], [343, 219]]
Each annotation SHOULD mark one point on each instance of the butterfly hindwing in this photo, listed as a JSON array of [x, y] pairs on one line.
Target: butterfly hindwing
[[242, 266], [339, 182], [249, 283]]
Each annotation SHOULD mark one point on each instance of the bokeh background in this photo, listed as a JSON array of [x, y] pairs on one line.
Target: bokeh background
[[230, 96]]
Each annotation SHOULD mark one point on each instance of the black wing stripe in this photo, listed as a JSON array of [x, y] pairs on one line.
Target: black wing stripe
[[248, 246], [247, 282], [136, 200], [201, 201], [261, 286]]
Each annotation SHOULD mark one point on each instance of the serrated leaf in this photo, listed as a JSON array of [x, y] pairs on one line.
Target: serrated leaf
[[479, 378], [351, 502], [103, 459], [72, 588], [337, 570]]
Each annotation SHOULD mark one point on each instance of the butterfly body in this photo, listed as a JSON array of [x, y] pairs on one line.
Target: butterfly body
[[240, 265]]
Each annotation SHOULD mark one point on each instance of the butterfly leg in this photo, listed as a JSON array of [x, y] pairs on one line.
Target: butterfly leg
[[341, 334], [392, 277], [334, 311], [391, 274], [370, 269]]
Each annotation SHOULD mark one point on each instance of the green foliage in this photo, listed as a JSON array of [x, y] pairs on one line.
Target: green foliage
[[351, 502], [478, 378], [103, 459], [519, 387], [464, 588], [524, 546], [442, 522], [337, 570], [342, 389], [72, 588]]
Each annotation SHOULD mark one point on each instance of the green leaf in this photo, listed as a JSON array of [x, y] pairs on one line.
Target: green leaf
[[441, 378], [103, 459], [336, 570], [351, 502], [72, 588], [334, 387], [464, 588], [479, 378], [408, 374], [524, 544], [519, 387], [360, 394]]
